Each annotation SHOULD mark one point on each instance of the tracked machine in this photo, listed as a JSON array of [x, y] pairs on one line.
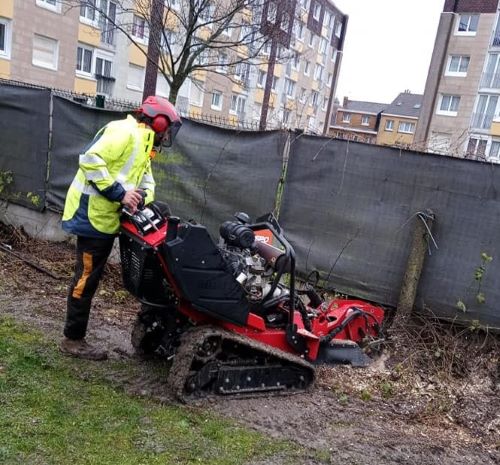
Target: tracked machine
[[223, 313]]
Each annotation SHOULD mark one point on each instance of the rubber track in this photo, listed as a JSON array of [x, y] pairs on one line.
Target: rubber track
[[191, 339]]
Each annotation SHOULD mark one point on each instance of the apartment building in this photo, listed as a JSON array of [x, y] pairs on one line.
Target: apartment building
[[357, 120], [461, 104], [398, 121], [49, 43]]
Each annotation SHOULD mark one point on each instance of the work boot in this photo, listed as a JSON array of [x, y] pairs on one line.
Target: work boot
[[81, 349]]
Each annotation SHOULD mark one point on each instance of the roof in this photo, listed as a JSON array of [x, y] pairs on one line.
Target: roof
[[364, 107], [405, 104]]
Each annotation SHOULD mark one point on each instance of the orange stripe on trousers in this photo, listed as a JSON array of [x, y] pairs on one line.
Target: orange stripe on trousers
[[87, 269]]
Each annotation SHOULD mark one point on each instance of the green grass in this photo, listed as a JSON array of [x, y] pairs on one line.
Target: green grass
[[53, 412]]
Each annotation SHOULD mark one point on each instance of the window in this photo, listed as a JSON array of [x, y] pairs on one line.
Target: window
[[286, 116], [346, 117], [285, 22], [52, 5], [406, 127], [107, 22], [5, 38], [261, 79], [238, 103], [338, 29], [241, 72], [272, 11], [330, 80], [316, 11], [314, 98], [303, 95], [476, 147], [135, 77], [389, 125], [325, 104], [289, 88], [304, 4], [448, 105], [222, 65], [216, 100], [467, 24], [365, 120], [334, 54], [274, 84], [105, 80], [491, 76], [140, 29], [495, 150], [162, 87], [318, 72], [485, 111], [45, 52], [307, 66], [296, 63], [457, 65], [88, 11], [323, 45], [311, 39], [299, 32], [84, 58]]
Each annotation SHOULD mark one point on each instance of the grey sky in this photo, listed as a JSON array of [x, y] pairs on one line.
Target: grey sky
[[388, 47]]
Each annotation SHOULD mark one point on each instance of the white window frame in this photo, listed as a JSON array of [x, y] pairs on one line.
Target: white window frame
[[458, 73], [325, 104], [312, 38], [272, 12], [448, 112], [330, 80], [303, 95], [316, 8], [132, 86], [5, 54], [318, 72], [222, 64], [497, 156], [389, 125], [403, 130], [91, 22], [142, 40], [299, 33], [48, 6], [307, 68], [338, 29], [365, 120], [346, 118], [468, 32], [236, 102], [87, 74], [102, 55], [42, 64], [290, 88], [261, 78], [214, 106]]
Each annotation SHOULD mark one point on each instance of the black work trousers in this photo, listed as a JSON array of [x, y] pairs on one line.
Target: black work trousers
[[91, 256]]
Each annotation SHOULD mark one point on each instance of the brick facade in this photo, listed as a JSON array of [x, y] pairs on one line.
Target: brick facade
[[471, 6]]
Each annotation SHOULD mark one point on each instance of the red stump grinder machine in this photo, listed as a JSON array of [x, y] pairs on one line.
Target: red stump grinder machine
[[223, 312]]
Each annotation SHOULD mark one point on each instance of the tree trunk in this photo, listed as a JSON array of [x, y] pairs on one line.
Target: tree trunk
[[269, 84], [155, 34]]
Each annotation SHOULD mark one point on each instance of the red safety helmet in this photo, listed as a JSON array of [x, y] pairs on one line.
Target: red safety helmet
[[162, 117]]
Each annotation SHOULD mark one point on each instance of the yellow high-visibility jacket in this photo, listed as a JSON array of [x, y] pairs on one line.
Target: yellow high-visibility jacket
[[118, 160]]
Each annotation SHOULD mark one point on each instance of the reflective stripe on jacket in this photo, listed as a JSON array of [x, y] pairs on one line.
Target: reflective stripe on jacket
[[118, 160]]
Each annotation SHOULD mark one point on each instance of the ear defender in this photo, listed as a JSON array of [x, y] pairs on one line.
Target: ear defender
[[160, 124]]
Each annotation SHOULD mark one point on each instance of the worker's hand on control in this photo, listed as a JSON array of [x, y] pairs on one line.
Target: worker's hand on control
[[132, 199]]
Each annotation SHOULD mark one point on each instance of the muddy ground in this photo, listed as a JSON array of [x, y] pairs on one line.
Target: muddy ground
[[431, 397]]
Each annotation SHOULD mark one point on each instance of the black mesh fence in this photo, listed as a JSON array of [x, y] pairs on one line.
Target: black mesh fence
[[348, 208]]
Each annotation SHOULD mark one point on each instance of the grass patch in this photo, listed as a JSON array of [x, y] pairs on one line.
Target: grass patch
[[50, 415]]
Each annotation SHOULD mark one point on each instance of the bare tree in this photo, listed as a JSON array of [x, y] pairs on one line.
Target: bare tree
[[185, 37]]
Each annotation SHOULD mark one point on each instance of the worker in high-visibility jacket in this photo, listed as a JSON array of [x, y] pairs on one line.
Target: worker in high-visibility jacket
[[114, 172]]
